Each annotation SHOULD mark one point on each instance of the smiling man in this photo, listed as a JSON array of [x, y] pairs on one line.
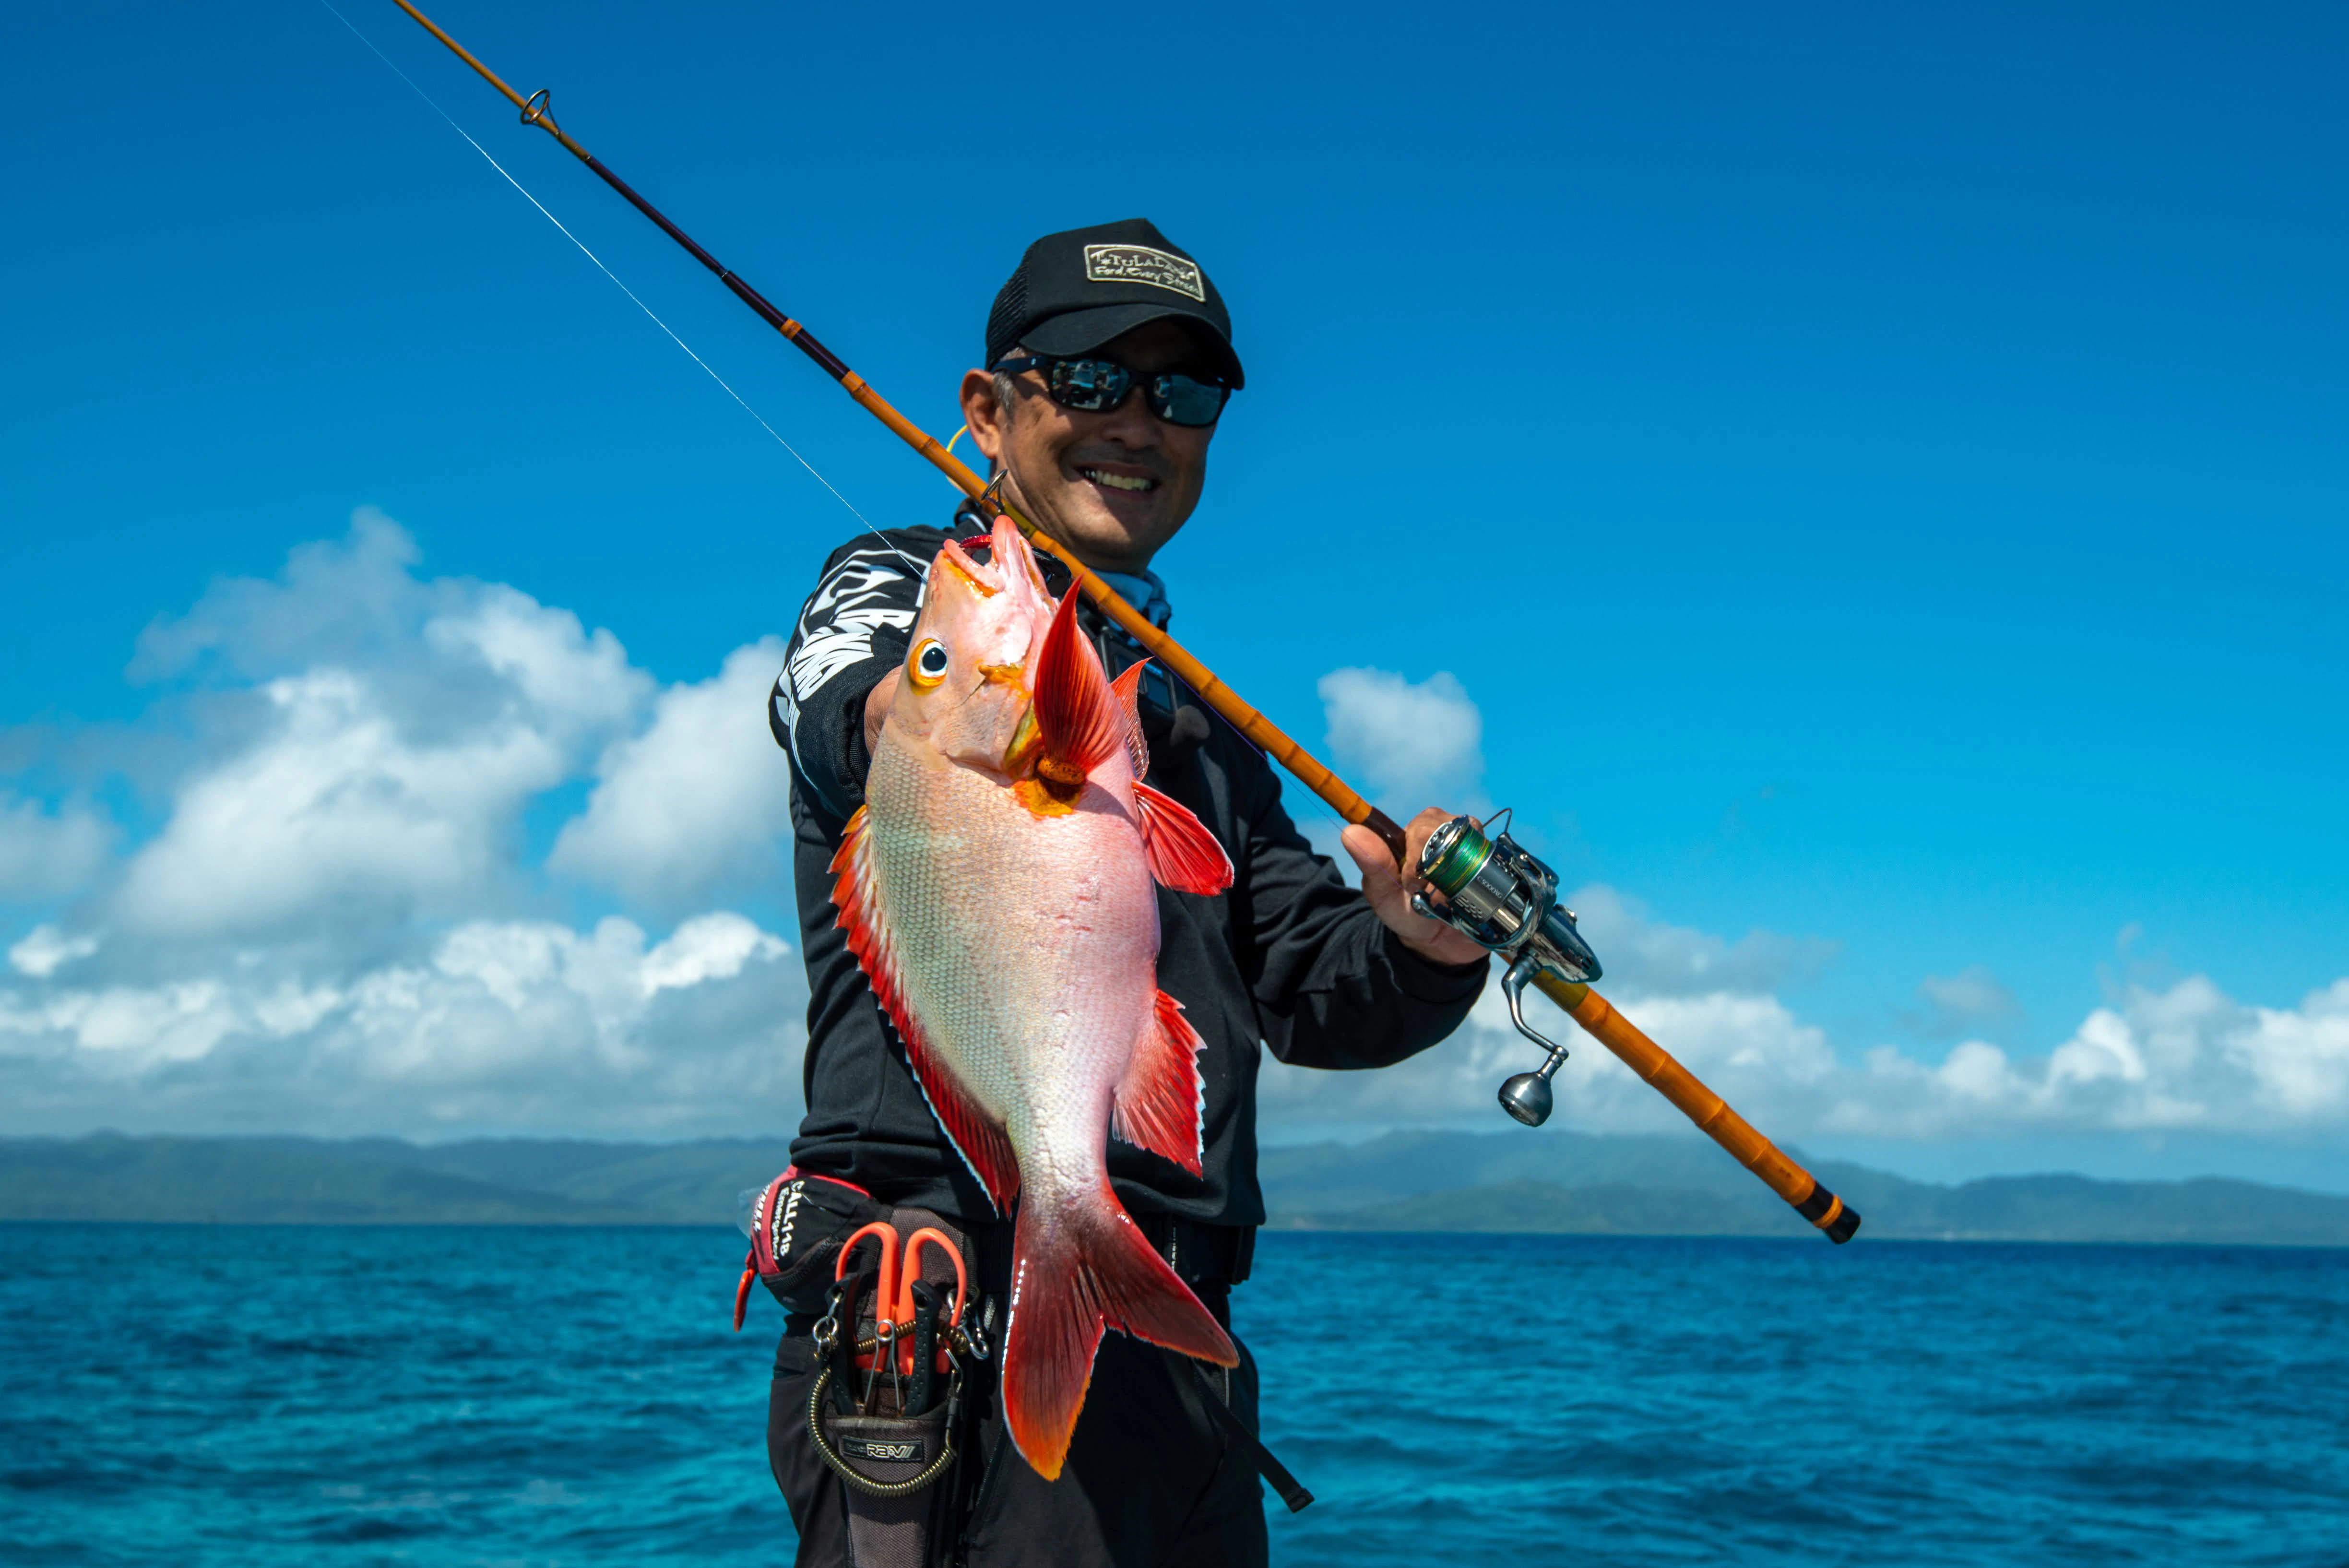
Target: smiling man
[[1109, 366]]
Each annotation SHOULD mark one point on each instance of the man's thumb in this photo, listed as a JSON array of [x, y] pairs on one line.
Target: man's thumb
[[1369, 852]]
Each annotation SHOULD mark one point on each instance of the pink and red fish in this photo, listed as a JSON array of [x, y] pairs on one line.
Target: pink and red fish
[[996, 888]]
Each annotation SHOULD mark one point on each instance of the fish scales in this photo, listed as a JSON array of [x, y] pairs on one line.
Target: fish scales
[[1020, 958]]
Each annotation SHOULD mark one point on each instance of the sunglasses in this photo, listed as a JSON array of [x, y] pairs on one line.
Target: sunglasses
[[1092, 386]]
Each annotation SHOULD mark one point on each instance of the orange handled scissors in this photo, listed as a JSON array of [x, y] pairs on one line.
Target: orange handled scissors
[[892, 1300]]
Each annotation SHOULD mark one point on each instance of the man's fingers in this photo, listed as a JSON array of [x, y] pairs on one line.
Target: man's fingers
[[876, 707]]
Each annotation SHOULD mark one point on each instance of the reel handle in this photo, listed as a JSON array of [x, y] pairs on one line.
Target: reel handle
[[1527, 1097]]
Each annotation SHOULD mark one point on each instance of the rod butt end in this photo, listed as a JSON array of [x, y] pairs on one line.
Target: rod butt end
[[1829, 1213]]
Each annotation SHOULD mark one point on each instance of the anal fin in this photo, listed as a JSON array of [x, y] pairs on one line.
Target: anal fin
[[1158, 1102]]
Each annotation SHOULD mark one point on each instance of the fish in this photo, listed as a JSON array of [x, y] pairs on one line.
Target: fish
[[997, 889]]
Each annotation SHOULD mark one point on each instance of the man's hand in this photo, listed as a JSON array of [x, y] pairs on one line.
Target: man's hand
[[1390, 890], [876, 707]]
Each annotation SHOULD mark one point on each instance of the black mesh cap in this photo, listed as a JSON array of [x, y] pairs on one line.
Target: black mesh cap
[[1074, 291]]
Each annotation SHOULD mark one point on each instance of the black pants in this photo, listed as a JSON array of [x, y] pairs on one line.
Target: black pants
[[1150, 1482]]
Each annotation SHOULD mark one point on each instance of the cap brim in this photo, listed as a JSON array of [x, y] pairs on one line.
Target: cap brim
[[1082, 331]]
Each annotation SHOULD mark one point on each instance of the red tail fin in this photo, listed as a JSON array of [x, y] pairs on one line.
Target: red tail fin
[[1080, 721], [1076, 1270]]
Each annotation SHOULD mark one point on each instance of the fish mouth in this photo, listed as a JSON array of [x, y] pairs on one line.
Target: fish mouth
[[1011, 559], [984, 580]]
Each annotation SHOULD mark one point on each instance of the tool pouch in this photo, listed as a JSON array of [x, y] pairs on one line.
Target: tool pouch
[[895, 1465], [891, 1468]]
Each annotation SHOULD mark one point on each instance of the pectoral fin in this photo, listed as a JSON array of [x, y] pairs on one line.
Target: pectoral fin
[[1183, 854]]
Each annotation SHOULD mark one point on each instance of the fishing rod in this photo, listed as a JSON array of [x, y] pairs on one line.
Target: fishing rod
[[1495, 891]]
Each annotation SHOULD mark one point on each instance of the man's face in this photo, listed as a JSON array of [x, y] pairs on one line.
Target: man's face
[[1114, 485]]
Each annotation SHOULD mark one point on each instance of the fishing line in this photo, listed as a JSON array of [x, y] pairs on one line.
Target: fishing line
[[919, 569]]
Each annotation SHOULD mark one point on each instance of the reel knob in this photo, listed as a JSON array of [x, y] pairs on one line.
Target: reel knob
[[1527, 1097]]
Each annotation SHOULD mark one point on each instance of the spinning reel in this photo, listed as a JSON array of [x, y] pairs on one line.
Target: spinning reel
[[1500, 897]]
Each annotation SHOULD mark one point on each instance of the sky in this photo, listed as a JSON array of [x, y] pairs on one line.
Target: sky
[[1865, 485]]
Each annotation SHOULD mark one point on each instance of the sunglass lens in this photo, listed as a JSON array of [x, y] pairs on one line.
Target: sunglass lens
[[1180, 400], [1089, 386]]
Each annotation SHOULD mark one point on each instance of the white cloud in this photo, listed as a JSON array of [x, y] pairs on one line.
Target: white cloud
[[1414, 743], [45, 949], [45, 852], [335, 928], [564, 680], [1749, 1048], [385, 778], [1970, 999], [707, 947], [500, 1024], [2188, 1058], [335, 804], [698, 802], [1645, 957], [338, 601]]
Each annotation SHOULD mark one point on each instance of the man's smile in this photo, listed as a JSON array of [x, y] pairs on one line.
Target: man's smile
[[1115, 479]]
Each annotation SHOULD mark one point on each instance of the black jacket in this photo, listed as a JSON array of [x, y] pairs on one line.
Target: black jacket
[[1289, 955]]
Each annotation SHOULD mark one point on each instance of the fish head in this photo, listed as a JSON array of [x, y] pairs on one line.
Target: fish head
[[966, 693]]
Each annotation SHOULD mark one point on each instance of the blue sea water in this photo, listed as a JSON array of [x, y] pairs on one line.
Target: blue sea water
[[201, 1396]]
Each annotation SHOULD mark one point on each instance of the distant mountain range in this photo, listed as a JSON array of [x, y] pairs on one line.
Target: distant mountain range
[[1550, 1181], [1563, 1182]]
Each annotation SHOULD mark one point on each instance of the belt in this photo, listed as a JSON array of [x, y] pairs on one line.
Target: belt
[[1198, 1253]]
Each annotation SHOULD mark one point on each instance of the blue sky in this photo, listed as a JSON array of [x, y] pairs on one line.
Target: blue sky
[[1874, 474]]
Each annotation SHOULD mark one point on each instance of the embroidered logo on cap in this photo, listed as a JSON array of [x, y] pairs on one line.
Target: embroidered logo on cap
[[1142, 264]]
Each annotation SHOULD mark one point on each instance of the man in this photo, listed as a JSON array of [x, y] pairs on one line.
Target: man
[[1109, 362]]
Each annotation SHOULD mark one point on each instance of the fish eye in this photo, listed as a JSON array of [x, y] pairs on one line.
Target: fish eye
[[927, 667]]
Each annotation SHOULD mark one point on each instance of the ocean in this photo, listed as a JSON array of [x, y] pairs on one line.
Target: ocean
[[264, 1395]]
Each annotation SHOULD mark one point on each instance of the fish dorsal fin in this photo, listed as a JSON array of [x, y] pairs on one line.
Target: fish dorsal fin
[[1159, 1100], [1182, 852], [1079, 718], [977, 1137], [1127, 689]]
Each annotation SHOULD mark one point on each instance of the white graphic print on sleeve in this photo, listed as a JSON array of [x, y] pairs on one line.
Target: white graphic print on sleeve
[[836, 630]]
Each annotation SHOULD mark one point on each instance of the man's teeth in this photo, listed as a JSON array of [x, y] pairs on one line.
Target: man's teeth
[[1118, 481]]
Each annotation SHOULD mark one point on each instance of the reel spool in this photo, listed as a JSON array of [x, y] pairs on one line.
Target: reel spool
[[1504, 899]]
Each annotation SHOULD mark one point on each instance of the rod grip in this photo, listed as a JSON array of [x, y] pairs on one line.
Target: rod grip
[[1390, 833], [1711, 1113]]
